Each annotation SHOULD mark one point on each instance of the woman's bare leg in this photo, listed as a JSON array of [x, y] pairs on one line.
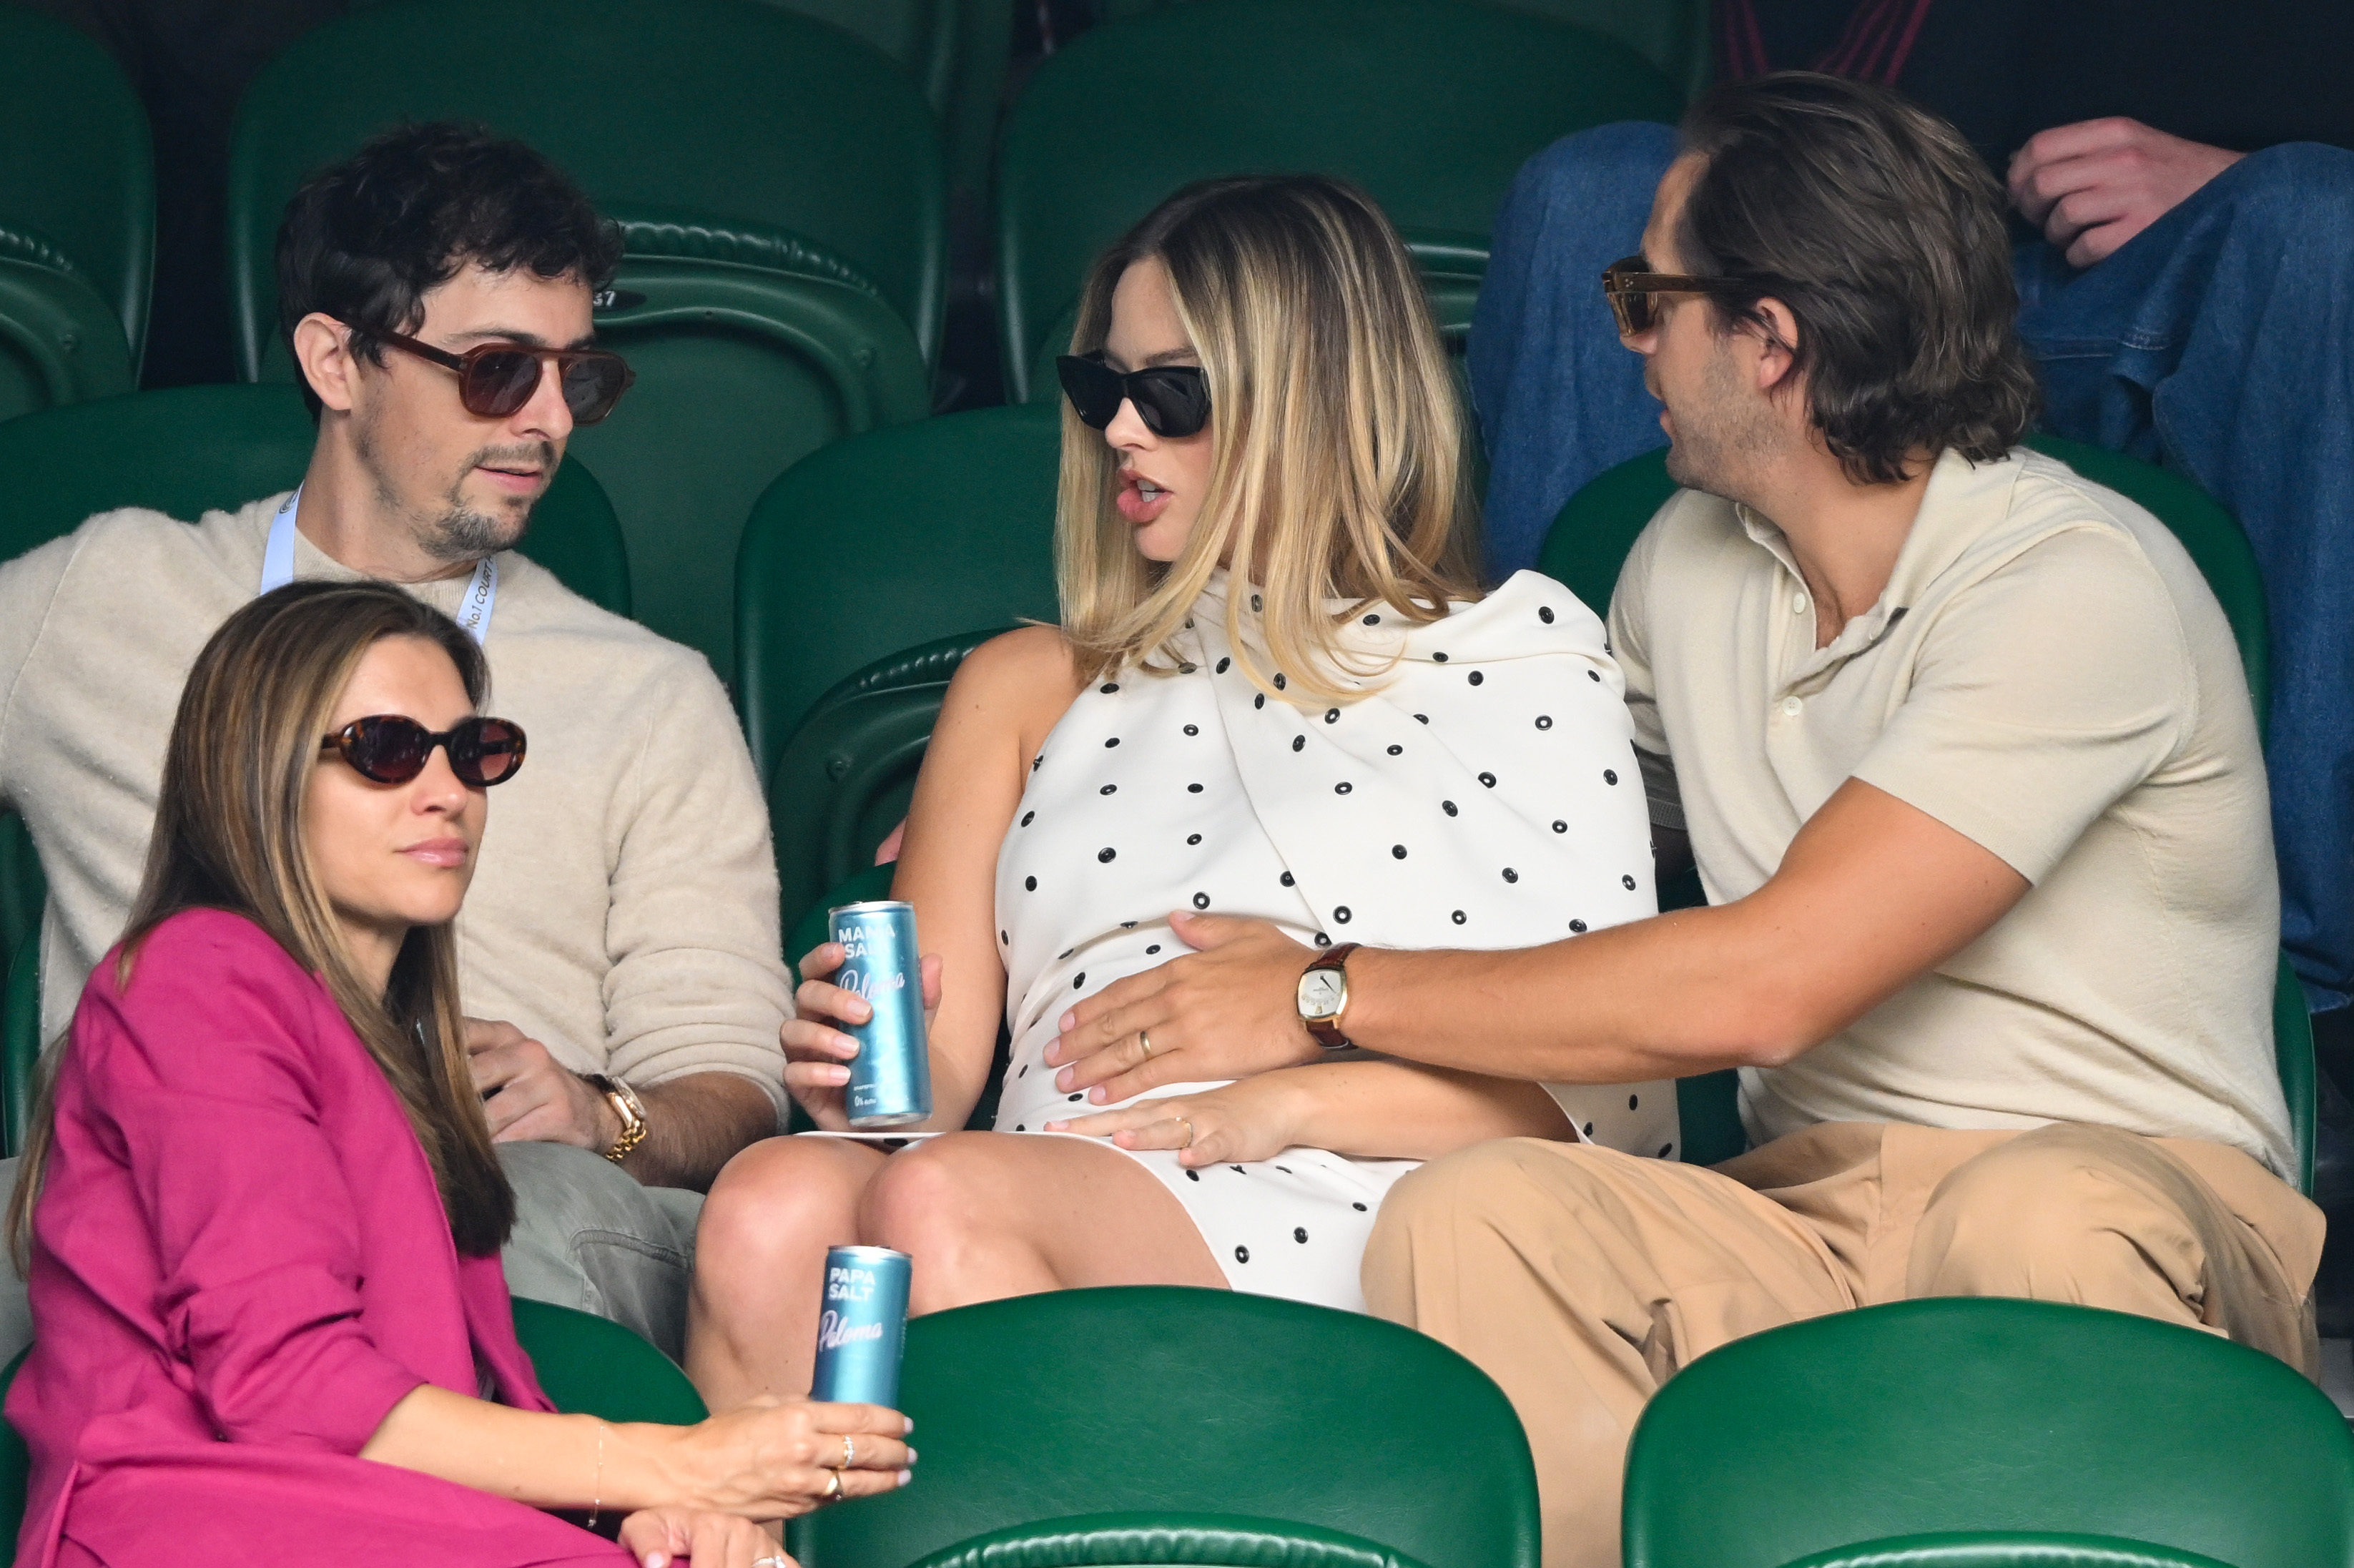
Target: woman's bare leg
[[759, 1259], [989, 1215]]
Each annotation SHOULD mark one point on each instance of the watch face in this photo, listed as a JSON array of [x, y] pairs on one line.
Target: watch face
[[1321, 993]]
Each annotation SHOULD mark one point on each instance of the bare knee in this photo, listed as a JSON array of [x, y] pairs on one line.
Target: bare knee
[[775, 1202], [934, 1192]]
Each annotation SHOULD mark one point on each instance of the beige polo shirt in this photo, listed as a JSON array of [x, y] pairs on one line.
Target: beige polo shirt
[[2048, 674]]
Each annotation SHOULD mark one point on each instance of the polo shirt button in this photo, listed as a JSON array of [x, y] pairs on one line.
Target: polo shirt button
[[1797, 604], [1790, 706]]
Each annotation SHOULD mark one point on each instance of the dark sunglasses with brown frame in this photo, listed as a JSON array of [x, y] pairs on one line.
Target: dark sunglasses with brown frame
[[393, 748], [1629, 284], [494, 379]]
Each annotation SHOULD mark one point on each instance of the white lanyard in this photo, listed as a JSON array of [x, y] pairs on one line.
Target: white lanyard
[[278, 570]]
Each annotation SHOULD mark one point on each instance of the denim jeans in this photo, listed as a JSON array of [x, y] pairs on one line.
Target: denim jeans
[[2220, 341]]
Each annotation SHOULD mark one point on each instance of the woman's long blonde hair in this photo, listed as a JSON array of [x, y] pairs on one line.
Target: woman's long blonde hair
[[1337, 448], [229, 835]]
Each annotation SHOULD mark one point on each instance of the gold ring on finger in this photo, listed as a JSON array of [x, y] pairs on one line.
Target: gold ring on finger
[[1188, 1125], [1144, 1039], [832, 1492]]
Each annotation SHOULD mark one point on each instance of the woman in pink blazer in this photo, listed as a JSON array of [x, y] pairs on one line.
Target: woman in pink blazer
[[260, 1210]]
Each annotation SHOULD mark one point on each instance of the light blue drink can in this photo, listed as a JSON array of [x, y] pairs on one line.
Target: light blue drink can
[[862, 1326], [891, 1076]]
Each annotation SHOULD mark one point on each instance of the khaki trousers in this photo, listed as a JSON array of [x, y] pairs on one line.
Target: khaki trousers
[[1581, 1278]]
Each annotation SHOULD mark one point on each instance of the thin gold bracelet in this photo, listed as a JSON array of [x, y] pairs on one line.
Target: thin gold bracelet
[[596, 1487]]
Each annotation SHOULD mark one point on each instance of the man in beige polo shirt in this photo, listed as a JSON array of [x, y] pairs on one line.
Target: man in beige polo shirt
[[1964, 751]]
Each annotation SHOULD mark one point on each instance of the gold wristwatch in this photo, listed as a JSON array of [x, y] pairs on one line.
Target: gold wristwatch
[[626, 1105]]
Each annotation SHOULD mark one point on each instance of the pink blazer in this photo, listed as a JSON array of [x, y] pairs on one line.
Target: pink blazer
[[239, 1265]]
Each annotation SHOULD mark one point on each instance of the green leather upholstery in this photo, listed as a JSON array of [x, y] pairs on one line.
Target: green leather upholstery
[[1170, 1403], [840, 785], [20, 1039], [586, 1365], [1230, 1541], [61, 341], [1988, 1414], [77, 162], [192, 449], [1432, 105], [1593, 532], [778, 184], [16, 1463], [2004, 1549], [891, 539], [1671, 34]]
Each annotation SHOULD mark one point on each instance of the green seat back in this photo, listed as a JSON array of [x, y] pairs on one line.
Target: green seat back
[[1177, 1401], [77, 162], [23, 889], [587, 1365], [59, 339], [1588, 543], [20, 1040], [16, 1462], [1987, 1414], [957, 51], [1431, 105], [779, 187], [873, 545], [193, 449], [1207, 1540], [844, 780], [1673, 35]]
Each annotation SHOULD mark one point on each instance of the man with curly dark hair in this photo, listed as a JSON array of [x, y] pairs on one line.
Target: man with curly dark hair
[[621, 947], [1962, 748]]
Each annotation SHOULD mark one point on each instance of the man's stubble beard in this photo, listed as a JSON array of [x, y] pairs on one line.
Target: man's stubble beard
[[1721, 436], [455, 532]]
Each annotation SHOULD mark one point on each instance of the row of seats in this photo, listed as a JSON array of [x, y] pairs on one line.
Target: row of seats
[[784, 202]]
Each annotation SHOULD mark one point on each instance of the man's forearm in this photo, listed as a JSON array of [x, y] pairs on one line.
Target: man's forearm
[[695, 1125]]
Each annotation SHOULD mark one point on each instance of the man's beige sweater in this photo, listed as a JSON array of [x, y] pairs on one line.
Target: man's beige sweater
[[625, 908]]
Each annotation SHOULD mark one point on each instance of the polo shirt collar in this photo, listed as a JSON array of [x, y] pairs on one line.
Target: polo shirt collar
[[1963, 499]]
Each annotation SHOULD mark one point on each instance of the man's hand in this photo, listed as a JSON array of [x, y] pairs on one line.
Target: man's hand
[[529, 1097], [1228, 1010], [2093, 185]]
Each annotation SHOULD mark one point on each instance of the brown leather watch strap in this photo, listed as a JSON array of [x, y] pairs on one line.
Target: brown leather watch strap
[[1328, 1031]]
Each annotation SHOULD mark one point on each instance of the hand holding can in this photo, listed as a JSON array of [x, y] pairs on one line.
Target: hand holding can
[[891, 1078], [862, 1326]]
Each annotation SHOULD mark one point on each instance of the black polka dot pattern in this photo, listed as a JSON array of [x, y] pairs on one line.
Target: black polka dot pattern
[[1106, 856], [1577, 926], [1478, 679], [1610, 775], [1397, 852], [1544, 613]]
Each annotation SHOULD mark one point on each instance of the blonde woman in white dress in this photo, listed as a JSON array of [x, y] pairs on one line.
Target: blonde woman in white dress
[[1344, 738]]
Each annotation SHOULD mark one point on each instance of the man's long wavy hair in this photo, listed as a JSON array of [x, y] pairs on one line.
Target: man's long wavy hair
[[1883, 231], [230, 835], [1337, 470]]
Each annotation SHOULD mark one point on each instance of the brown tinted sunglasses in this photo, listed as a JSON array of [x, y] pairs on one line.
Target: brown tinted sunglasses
[[392, 748], [494, 379], [1629, 285]]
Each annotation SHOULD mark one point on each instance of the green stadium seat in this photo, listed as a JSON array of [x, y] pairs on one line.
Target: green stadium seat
[[1588, 543], [873, 545], [60, 342], [20, 1039], [842, 782], [16, 1463], [23, 889], [780, 189], [957, 51], [587, 1365], [1431, 105], [1305, 1435], [77, 171], [1673, 35], [1988, 1434]]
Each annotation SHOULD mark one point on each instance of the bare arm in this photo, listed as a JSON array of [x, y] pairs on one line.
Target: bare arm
[[1007, 695], [1872, 894], [764, 1461], [1385, 1110]]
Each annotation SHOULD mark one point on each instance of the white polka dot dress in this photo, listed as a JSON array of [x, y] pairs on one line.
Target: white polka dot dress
[[1483, 794]]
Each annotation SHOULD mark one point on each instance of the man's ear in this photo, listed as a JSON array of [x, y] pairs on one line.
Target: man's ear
[[322, 351], [1778, 352]]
